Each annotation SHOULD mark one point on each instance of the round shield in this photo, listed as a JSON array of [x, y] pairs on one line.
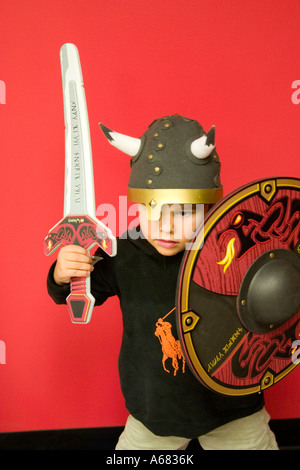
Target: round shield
[[238, 294]]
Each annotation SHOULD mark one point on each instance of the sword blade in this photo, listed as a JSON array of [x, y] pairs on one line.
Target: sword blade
[[79, 182]]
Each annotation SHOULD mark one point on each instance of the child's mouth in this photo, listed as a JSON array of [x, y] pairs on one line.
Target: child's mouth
[[166, 243]]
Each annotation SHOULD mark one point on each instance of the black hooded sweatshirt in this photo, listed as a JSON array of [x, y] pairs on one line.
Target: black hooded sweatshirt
[[159, 390]]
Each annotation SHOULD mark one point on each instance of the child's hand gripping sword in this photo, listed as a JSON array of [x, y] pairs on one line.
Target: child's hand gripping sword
[[79, 225]]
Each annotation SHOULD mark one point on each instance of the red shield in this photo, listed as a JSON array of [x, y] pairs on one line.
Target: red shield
[[238, 295]]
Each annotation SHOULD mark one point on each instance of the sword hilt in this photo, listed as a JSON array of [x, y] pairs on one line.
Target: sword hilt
[[80, 301], [87, 232], [80, 230]]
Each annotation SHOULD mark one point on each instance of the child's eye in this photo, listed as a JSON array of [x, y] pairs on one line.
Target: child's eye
[[184, 213]]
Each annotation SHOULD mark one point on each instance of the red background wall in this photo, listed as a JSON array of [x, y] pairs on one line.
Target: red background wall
[[229, 63]]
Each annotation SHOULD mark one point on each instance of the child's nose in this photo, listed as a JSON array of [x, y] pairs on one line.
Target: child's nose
[[167, 222]]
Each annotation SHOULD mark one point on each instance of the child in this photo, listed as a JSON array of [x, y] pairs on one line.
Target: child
[[174, 179]]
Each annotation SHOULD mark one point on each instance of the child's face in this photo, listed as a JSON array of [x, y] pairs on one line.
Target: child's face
[[175, 228]]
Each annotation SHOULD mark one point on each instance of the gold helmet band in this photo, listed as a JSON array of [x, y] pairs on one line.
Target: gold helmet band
[[154, 199]]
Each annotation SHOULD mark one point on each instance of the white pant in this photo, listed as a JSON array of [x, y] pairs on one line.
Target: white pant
[[249, 433]]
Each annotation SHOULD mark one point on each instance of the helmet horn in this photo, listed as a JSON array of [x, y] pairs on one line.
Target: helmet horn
[[128, 145], [202, 147]]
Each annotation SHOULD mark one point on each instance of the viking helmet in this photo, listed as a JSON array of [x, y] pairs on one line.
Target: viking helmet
[[174, 162]]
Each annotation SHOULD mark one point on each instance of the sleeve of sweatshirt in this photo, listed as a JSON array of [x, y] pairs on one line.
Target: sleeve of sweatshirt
[[103, 283]]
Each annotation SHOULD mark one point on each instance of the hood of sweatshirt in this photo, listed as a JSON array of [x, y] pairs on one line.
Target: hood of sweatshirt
[[136, 237]]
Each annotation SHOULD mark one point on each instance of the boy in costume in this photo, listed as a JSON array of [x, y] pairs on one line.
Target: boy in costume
[[175, 178]]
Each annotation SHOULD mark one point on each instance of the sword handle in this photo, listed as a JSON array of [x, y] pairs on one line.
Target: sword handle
[[80, 301]]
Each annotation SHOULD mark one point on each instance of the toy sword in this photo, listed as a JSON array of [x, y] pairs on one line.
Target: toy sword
[[79, 225]]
